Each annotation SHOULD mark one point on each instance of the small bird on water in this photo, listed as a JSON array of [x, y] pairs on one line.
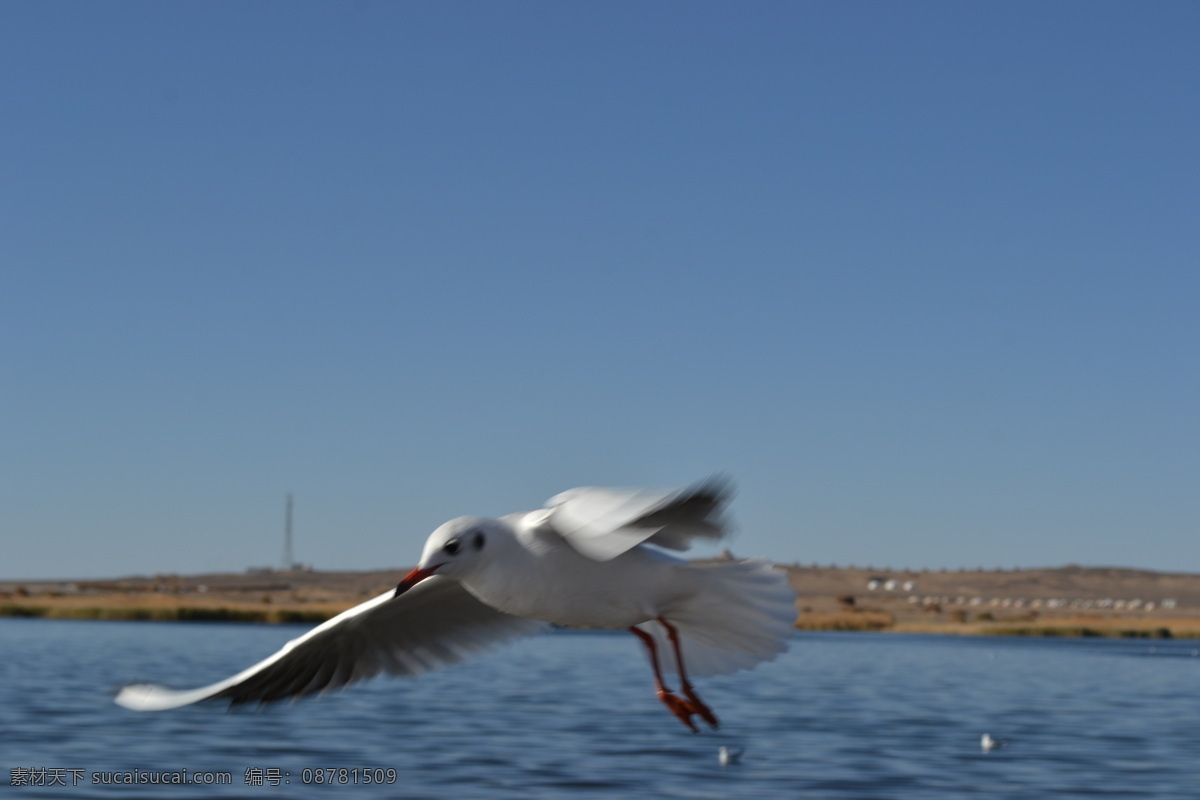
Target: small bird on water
[[588, 559], [988, 743], [729, 755]]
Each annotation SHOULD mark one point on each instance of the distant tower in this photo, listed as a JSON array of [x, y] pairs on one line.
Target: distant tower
[[288, 559]]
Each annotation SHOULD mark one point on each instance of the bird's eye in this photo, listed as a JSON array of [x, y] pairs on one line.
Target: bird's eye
[[477, 540], [452, 547]]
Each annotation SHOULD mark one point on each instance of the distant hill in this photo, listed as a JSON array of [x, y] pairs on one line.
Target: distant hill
[[1069, 583], [1069, 600]]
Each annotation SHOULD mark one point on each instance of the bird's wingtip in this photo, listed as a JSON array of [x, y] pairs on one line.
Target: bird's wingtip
[[150, 697], [133, 695]]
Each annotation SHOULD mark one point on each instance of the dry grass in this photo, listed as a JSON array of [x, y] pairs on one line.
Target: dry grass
[[315, 605], [847, 620], [167, 609], [1077, 626]]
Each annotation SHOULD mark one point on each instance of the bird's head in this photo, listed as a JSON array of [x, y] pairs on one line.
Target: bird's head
[[455, 549]]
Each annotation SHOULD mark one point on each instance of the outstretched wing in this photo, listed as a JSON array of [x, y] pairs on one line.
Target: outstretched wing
[[435, 623], [603, 523]]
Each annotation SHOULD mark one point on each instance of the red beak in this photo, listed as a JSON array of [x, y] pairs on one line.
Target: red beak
[[413, 578]]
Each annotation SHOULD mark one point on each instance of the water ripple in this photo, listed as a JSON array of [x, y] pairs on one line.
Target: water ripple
[[841, 716]]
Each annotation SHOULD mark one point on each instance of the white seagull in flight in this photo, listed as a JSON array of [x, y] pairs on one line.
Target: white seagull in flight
[[582, 561]]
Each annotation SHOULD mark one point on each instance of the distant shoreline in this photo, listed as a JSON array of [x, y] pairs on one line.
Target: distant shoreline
[[1076, 627], [1065, 601]]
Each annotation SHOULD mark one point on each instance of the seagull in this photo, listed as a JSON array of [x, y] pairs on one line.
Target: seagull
[[729, 755], [987, 743], [591, 558]]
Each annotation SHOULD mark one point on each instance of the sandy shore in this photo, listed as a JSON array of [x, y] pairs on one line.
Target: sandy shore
[[1064, 601]]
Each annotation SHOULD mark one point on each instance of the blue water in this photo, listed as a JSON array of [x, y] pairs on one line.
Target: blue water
[[574, 715]]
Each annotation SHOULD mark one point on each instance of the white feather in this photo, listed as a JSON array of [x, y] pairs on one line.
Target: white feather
[[602, 523], [434, 624]]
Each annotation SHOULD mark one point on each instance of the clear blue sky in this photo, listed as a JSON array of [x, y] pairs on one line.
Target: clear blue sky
[[923, 278]]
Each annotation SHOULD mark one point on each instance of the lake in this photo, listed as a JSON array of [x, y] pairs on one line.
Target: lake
[[574, 715]]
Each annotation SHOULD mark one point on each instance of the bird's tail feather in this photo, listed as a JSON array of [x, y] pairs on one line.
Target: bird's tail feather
[[743, 614]]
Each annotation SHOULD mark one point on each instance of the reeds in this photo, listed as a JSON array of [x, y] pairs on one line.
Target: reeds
[[848, 620], [167, 613]]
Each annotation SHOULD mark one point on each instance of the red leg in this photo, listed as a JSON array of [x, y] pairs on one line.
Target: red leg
[[694, 700], [681, 708]]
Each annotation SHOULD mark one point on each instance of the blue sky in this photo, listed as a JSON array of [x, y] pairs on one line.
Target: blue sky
[[922, 278]]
